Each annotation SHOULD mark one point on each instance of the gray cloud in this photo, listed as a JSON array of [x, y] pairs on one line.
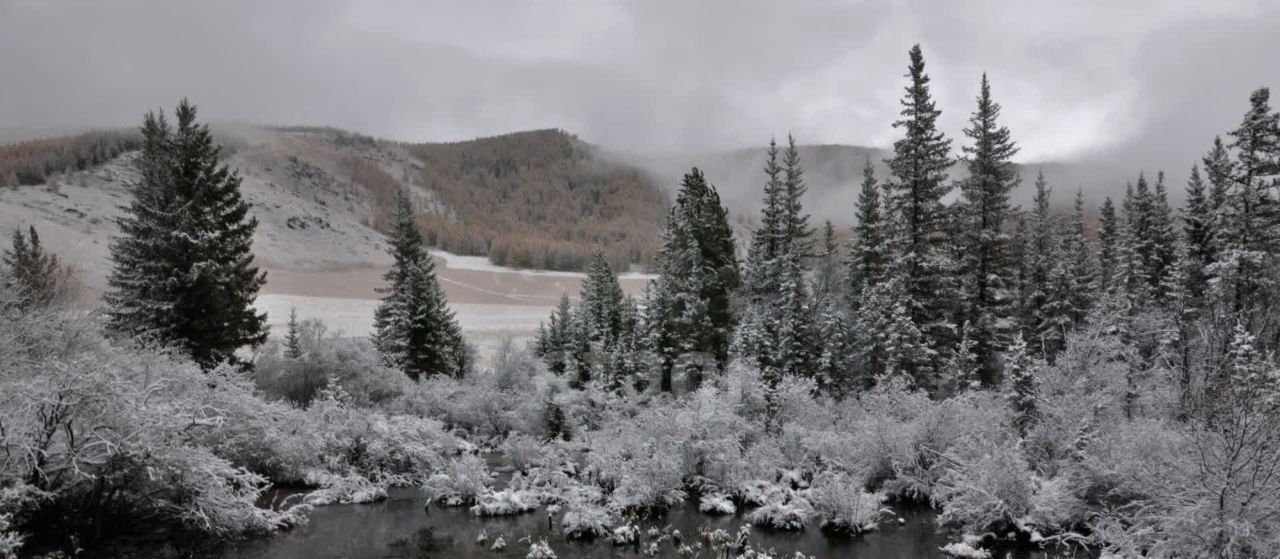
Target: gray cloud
[[1136, 85]]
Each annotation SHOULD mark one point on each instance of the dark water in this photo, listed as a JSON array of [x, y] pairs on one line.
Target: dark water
[[401, 527]]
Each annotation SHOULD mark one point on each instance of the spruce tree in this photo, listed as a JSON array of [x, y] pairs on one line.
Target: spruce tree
[[919, 183], [778, 332], [414, 329], [182, 266], [1081, 263], [292, 339], [602, 300], [827, 284], [1108, 245], [889, 345], [1249, 239], [1023, 389], [868, 251], [698, 271], [986, 266], [35, 273], [1197, 236]]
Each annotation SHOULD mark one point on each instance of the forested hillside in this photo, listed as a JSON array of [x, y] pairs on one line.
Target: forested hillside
[[539, 199]]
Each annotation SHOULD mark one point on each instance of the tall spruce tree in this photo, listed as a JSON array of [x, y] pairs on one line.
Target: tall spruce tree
[[602, 300], [919, 183], [987, 268], [1197, 236], [414, 329], [777, 331], [1108, 245], [698, 271], [1249, 236], [1082, 267], [868, 250], [182, 267]]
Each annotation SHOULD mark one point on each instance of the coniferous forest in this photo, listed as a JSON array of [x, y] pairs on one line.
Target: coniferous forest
[[1095, 381]]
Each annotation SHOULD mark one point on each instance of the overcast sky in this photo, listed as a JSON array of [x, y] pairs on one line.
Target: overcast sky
[[1152, 80]]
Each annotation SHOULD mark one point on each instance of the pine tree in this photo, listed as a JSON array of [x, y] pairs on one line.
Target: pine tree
[[964, 366], [1108, 246], [1249, 238], [602, 299], [1083, 288], [986, 267], [827, 283], [1023, 390], [414, 329], [796, 233], [778, 331], [553, 339], [1042, 302], [183, 271], [36, 274], [698, 271], [1197, 236], [919, 168], [889, 343], [868, 251], [292, 339]]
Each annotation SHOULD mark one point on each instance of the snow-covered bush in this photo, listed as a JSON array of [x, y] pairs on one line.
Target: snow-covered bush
[[504, 503], [10, 541], [352, 363], [841, 505], [104, 426], [788, 514], [586, 515], [521, 451], [460, 482], [540, 550], [989, 488], [349, 489], [716, 503]]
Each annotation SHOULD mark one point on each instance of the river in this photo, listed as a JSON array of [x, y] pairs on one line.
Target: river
[[403, 527]]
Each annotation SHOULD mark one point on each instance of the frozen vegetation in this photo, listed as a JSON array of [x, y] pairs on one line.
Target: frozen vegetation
[[1033, 389]]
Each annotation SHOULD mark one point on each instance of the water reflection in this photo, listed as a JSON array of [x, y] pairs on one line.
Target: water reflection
[[401, 527]]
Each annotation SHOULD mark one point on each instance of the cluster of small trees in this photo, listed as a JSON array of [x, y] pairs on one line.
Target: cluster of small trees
[[33, 162]]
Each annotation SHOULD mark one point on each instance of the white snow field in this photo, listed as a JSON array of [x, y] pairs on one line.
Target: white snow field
[[484, 324]]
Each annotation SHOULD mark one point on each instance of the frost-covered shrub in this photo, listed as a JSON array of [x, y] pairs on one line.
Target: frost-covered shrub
[[988, 489], [841, 505], [513, 368], [966, 548], [342, 490], [352, 363], [504, 503], [99, 425], [717, 503], [540, 550], [781, 515], [10, 541], [586, 514], [521, 451], [461, 482]]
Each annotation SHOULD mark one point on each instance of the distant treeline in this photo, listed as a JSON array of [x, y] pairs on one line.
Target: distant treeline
[[539, 199], [34, 161]]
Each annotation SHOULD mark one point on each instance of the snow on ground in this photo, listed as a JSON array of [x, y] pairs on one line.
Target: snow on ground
[[484, 324], [482, 264]]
